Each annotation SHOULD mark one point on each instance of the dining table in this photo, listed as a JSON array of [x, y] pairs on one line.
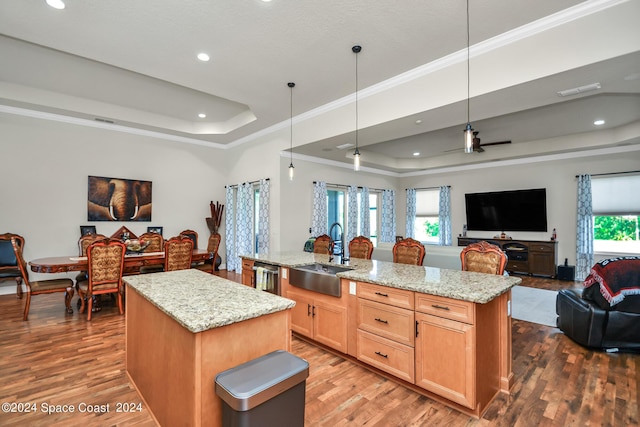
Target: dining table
[[132, 262]]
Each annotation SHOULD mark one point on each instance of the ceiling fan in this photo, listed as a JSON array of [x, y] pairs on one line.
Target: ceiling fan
[[477, 147]]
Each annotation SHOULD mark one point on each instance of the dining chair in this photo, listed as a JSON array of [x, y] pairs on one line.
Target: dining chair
[[408, 251], [41, 286], [177, 253], [360, 247], [9, 269], [83, 243], [213, 244], [105, 260], [192, 235], [323, 245], [483, 257], [156, 244]]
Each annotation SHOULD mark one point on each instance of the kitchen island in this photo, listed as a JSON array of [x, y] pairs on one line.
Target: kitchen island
[[443, 333], [184, 327]]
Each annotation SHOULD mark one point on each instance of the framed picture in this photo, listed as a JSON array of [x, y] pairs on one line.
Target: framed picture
[[398, 238], [154, 230], [87, 229], [117, 199]]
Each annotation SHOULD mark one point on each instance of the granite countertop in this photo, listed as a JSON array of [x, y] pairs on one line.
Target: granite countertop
[[200, 301], [461, 285]]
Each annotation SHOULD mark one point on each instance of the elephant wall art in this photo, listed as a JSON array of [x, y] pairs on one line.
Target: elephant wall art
[[115, 199]]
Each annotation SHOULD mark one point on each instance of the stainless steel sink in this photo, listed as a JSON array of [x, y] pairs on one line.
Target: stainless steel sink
[[317, 278]]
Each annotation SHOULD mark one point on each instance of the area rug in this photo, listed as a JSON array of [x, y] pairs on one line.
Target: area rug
[[534, 305]]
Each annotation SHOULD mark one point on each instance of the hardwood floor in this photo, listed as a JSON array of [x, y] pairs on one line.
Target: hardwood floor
[[60, 359]]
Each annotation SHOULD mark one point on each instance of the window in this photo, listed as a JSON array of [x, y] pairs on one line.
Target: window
[[427, 225], [616, 214], [337, 202]]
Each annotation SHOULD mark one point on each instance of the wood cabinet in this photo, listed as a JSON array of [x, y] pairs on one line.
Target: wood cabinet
[[525, 256], [386, 329], [458, 352], [320, 317], [248, 275]]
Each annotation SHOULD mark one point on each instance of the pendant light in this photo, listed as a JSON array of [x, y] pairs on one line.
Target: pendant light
[[291, 86], [356, 154], [468, 130]]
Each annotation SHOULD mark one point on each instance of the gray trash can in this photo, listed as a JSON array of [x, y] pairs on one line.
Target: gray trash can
[[267, 391]]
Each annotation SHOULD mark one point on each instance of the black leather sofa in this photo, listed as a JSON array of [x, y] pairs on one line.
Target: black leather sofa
[[603, 316]]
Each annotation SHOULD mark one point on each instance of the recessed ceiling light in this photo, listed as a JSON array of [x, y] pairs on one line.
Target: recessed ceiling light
[[418, 121], [56, 4], [203, 57], [416, 153], [598, 122], [202, 115]]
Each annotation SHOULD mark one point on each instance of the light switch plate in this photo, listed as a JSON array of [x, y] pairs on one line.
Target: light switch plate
[[284, 273]]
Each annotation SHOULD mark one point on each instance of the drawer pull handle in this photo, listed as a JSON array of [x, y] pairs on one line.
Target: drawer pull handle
[[440, 307], [383, 355], [381, 294], [381, 320]]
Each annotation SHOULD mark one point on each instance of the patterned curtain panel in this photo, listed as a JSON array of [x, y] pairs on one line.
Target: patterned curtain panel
[[444, 217], [388, 232], [230, 228], [365, 226], [263, 217], [411, 213], [584, 228], [244, 226], [352, 217], [320, 214]]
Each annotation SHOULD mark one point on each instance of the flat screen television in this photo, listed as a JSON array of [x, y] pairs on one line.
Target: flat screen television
[[518, 210]]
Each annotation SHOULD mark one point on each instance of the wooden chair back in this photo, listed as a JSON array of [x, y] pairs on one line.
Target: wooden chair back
[[483, 257], [156, 241], [408, 251], [192, 235], [212, 247], [86, 240], [177, 253], [360, 247], [9, 269], [105, 260], [323, 245], [41, 286]]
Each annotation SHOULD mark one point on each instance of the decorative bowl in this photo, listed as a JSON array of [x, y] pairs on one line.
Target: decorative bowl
[[136, 246]]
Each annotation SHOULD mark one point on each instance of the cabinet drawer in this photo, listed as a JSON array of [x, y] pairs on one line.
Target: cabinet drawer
[[396, 297], [518, 266], [541, 247], [247, 263], [462, 311], [389, 356], [395, 323]]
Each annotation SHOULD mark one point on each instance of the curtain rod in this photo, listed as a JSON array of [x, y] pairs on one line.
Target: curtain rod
[[347, 186], [250, 182], [430, 188], [612, 173]]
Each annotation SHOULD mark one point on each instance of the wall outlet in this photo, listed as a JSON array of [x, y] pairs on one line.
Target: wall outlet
[[352, 288]]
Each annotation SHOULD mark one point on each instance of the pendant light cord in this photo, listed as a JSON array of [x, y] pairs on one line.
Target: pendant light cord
[[291, 86], [468, 68]]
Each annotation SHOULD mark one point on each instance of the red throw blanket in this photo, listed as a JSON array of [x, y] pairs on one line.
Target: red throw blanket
[[617, 277]]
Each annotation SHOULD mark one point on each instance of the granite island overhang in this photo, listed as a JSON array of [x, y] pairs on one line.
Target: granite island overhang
[[184, 327]]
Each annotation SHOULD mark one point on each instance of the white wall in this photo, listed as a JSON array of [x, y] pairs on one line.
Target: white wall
[[43, 190]]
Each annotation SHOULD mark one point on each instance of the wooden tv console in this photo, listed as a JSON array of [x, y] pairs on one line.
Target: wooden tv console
[[538, 257]]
